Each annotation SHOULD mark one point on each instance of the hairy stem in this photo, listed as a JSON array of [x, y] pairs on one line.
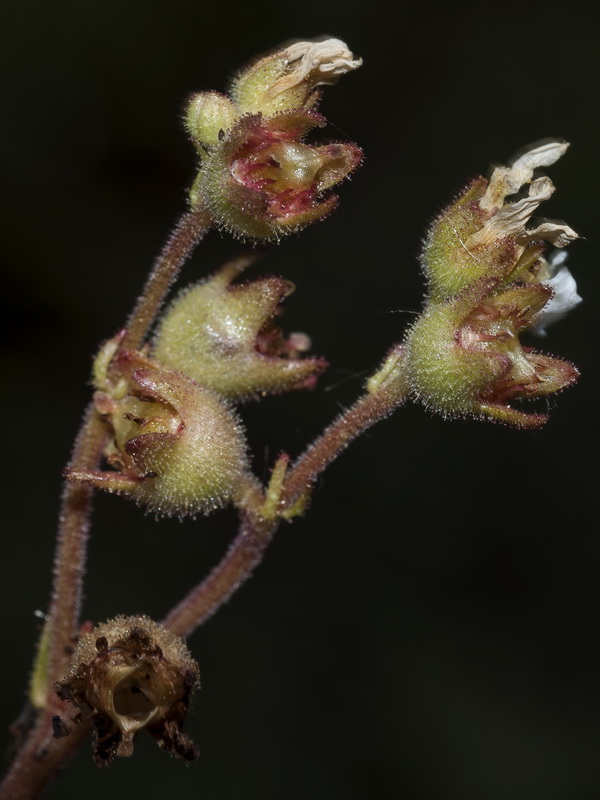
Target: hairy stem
[[188, 233], [70, 559], [244, 555], [41, 756], [71, 548], [256, 532], [366, 412], [40, 759]]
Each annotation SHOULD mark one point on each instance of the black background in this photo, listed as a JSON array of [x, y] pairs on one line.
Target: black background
[[429, 629]]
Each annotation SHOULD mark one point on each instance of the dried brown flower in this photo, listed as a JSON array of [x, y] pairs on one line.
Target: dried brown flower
[[128, 674]]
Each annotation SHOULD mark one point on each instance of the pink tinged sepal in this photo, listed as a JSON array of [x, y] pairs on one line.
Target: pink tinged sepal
[[176, 447], [264, 181], [465, 358]]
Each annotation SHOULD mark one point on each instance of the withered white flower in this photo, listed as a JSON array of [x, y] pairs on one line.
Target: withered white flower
[[508, 180], [510, 219], [320, 61]]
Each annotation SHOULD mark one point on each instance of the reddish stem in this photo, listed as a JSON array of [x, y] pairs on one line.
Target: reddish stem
[[40, 759], [248, 548], [243, 556], [41, 756], [71, 549], [366, 412], [188, 233]]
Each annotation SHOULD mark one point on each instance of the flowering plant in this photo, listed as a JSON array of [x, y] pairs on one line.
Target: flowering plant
[[164, 428]]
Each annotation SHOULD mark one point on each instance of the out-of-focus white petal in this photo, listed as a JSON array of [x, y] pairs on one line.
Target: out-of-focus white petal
[[565, 295]]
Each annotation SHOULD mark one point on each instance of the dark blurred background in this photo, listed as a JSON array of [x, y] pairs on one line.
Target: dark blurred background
[[429, 629]]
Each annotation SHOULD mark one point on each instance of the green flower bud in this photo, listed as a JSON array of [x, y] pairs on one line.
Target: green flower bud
[[176, 447], [209, 116], [223, 337]]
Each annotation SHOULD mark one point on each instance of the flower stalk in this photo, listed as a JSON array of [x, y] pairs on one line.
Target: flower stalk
[[186, 236], [286, 497], [163, 428]]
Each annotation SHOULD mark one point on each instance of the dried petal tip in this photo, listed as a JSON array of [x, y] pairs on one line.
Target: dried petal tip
[[508, 180], [258, 177], [510, 219], [128, 674], [489, 230], [286, 78], [315, 62]]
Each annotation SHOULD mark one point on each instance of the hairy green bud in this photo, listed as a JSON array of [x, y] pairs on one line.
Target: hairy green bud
[[223, 336]]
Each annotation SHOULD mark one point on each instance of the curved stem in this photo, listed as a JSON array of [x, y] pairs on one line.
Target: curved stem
[[188, 233], [243, 556], [41, 756], [366, 412], [256, 532], [69, 565]]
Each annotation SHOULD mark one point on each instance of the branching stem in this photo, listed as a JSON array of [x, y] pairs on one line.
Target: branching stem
[[41, 756], [247, 549], [243, 556]]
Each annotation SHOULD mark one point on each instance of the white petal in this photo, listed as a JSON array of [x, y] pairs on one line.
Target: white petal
[[564, 299]]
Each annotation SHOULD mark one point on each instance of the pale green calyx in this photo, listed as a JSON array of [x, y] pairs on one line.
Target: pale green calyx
[[222, 334], [464, 356]]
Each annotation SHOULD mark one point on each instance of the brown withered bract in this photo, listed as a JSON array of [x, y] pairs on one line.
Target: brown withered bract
[[130, 674]]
